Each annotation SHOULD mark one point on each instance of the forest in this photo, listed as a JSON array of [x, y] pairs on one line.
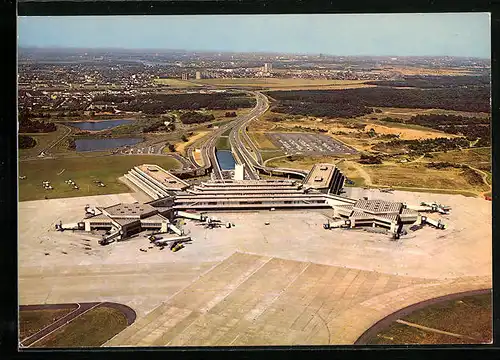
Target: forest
[[429, 82], [34, 126], [425, 145], [193, 117], [26, 142], [154, 104], [356, 102]]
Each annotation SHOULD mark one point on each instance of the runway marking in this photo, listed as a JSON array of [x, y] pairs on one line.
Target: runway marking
[[421, 327], [66, 323], [39, 331]]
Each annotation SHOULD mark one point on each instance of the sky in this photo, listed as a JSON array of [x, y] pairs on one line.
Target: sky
[[450, 34]]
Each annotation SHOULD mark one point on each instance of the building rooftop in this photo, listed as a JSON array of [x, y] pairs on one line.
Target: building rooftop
[[320, 176], [155, 218], [170, 181], [130, 210], [378, 206]]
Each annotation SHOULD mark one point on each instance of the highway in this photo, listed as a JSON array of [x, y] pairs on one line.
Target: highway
[[251, 159], [240, 153]]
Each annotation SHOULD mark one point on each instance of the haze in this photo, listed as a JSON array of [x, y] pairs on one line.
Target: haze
[[457, 34]]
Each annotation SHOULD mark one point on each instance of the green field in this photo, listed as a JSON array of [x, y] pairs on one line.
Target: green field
[[469, 316], [277, 83], [32, 321], [175, 82], [266, 155], [82, 170], [42, 141], [223, 143], [91, 329], [416, 175]]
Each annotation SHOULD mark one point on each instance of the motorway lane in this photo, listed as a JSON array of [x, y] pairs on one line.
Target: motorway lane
[[208, 148], [243, 156]]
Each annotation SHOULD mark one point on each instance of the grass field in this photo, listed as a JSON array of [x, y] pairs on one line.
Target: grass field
[[411, 70], [302, 162], [473, 157], [82, 171], [469, 316], [266, 155], [283, 84], [32, 321], [91, 329], [223, 143], [42, 141], [419, 176], [175, 82], [262, 141], [352, 172], [406, 113]]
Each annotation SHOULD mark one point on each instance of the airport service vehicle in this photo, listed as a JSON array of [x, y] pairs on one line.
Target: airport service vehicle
[[172, 240], [191, 215], [337, 224], [177, 247], [70, 226]]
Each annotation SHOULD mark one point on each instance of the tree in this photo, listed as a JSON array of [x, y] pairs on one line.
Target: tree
[[184, 138]]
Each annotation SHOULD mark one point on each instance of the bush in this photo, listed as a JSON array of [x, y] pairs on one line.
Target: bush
[[26, 142], [369, 159], [193, 117], [26, 125]]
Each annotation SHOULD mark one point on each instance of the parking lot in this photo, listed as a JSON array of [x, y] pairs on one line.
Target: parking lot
[[293, 143]]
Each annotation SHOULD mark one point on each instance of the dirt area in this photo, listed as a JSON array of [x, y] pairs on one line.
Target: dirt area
[[468, 318], [282, 294], [197, 157], [181, 147], [408, 133]]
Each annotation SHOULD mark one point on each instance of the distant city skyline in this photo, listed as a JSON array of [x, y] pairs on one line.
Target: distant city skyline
[[449, 34]]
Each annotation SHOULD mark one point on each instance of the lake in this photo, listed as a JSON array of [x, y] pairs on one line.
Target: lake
[[225, 159], [104, 144], [97, 125]]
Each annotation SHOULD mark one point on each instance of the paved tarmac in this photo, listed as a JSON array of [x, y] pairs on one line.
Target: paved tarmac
[[365, 276]]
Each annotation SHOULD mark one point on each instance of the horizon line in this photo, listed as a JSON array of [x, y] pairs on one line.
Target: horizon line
[[27, 47]]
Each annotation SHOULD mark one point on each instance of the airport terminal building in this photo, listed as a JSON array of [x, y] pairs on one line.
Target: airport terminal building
[[171, 196]]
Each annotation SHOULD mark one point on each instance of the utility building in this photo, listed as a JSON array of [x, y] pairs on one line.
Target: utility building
[[239, 172]]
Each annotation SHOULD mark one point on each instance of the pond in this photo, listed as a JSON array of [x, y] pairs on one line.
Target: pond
[[104, 144], [97, 125], [225, 159]]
